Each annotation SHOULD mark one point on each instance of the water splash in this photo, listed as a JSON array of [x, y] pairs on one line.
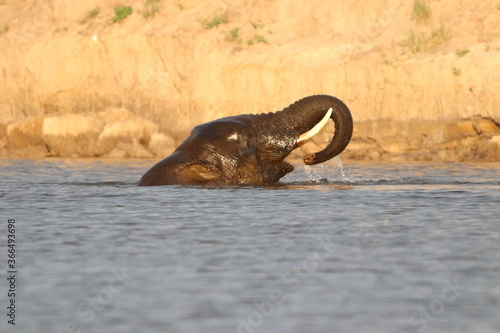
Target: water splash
[[312, 174], [338, 163], [330, 168]]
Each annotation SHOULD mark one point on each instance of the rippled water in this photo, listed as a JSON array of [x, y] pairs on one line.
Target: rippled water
[[367, 248]]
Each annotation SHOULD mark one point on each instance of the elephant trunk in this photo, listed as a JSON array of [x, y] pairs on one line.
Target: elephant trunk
[[304, 114]]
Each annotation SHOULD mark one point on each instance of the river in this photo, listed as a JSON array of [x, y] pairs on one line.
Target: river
[[363, 247]]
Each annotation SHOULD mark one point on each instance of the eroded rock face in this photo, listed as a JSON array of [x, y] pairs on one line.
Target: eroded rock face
[[25, 132], [112, 133], [127, 133], [161, 144], [493, 152], [72, 135], [471, 139], [118, 133]]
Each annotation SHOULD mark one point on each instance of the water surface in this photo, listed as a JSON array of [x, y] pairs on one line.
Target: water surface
[[363, 248]]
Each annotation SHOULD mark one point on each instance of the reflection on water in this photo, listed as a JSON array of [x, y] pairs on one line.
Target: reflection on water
[[332, 248]]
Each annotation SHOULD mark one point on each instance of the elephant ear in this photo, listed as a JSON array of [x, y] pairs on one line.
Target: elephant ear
[[200, 174]]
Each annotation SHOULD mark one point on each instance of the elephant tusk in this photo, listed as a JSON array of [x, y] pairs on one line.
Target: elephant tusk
[[305, 137]]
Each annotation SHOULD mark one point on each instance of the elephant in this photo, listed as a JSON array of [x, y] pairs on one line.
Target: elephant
[[250, 149]]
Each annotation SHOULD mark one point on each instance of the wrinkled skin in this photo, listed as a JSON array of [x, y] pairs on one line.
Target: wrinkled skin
[[250, 149]]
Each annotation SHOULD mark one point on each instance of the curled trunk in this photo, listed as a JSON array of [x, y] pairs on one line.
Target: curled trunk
[[302, 115]]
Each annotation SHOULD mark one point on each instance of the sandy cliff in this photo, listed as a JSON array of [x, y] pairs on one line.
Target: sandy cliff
[[78, 80]]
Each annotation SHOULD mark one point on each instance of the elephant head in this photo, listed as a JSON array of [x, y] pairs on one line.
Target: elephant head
[[250, 149]]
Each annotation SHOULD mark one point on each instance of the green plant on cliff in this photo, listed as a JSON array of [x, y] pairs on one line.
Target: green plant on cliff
[[436, 38], [421, 11], [257, 39], [257, 25], [215, 20], [90, 15], [421, 42], [461, 52], [261, 39], [121, 12], [4, 29], [414, 42], [233, 35], [151, 8]]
